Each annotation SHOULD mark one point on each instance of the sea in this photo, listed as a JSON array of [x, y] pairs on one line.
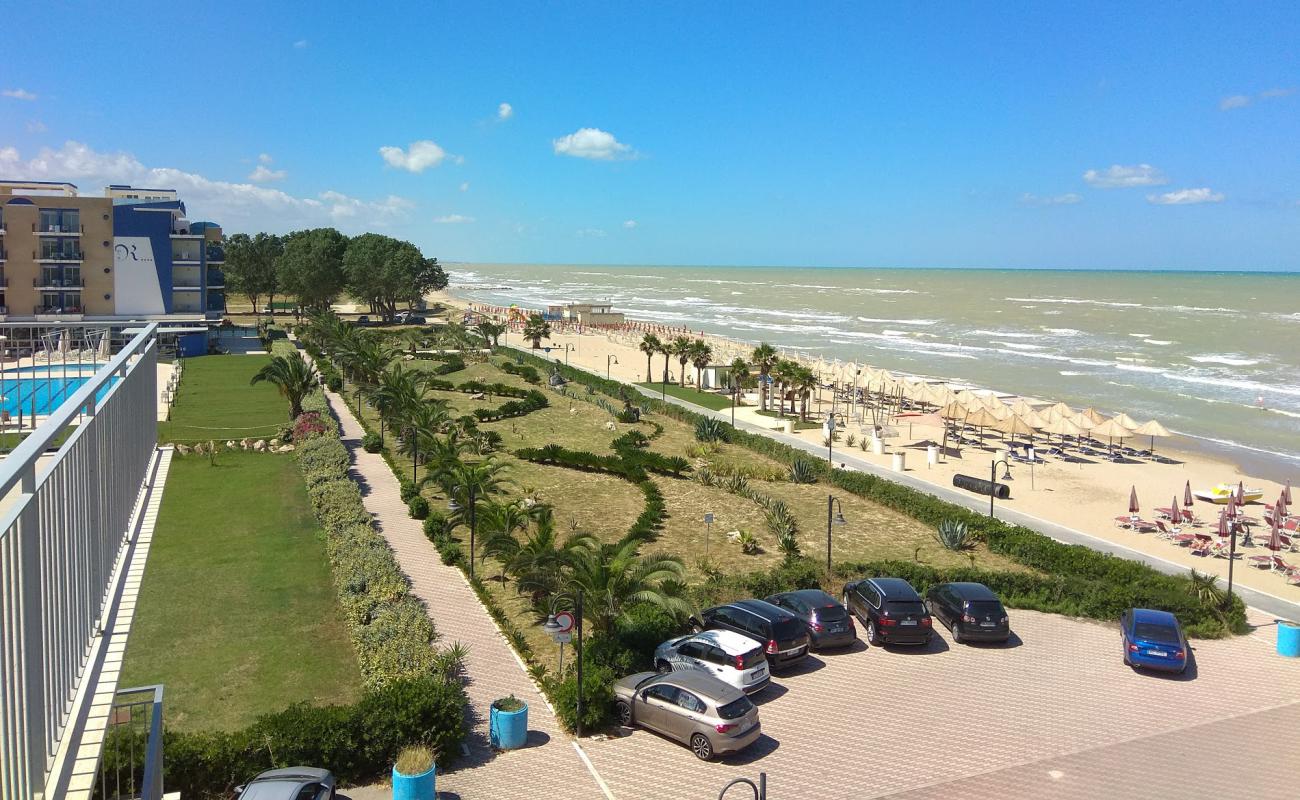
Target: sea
[[1215, 356]]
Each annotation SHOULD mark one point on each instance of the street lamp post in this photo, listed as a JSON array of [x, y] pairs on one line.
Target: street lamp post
[[567, 349], [577, 649], [830, 439], [993, 480], [837, 518], [735, 389], [609, 359]]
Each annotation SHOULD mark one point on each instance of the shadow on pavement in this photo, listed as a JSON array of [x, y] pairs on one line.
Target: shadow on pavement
[[937, 644], [804, 666], [764, 746], [772, 692]]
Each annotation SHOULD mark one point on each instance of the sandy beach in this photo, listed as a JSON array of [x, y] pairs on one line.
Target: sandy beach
[[1084, 496]]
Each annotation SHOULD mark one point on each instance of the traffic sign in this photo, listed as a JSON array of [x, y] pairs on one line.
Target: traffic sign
[[565, 621], [563, 638], [708, 518]]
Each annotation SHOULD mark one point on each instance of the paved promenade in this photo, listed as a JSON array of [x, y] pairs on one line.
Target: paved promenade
[[550, 766]]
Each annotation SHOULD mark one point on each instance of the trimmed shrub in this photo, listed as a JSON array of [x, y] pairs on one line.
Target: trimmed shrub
[[323, 459], [418, 507], [371, 443], [308, 425], [597, 698], [435, 523]]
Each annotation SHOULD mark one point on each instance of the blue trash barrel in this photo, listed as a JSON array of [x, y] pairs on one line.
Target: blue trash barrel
[[415, 787], [508, 729], [1288, 639]]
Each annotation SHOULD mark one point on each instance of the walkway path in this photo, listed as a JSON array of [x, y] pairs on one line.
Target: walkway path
[[552, 765]]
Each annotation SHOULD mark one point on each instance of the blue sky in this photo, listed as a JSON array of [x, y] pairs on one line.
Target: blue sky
[[1007, 135]]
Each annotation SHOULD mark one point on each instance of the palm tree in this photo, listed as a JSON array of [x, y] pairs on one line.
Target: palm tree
[[420, 428], [537, 329], [413, 338], [453, 336], [498, 522], [681, 348], [764, 357], [480, 480], [441, 454], [666, 350], [490, 331], [650, 345], [394, 395], [292, 376], [536, 566], [783, 376], [616, 576], [701, 355], [805, 383]]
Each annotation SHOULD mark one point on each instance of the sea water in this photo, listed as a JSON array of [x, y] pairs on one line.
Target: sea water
[[1214, 356]]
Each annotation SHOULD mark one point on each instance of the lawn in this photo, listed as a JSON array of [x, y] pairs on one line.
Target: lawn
[[717, 402], [216, 402], [236, 614]]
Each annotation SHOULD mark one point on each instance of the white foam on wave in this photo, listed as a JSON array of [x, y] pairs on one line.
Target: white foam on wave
[[894, 333], [1140, 368], [772, 312], [1020, 345], [1006, 334], [1074, 301], [1140, 335], [1254, 387], [865, 290], [1070, 374], [1064, 331], [899, 321], [1161, 342], [721, 282], [1231, 360]]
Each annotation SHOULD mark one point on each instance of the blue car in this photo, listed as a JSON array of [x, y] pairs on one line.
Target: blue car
[[1153, 640]]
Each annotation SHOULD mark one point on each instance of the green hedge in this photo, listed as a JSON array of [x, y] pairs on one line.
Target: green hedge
[[1086, 571], [359, 742]]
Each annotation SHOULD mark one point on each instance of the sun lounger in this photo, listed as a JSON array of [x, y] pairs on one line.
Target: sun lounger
[[1286, 569], [1263, 562], [1142, 526], [1222, 549], [1202, 546], [1184, 539], [1167, 532]]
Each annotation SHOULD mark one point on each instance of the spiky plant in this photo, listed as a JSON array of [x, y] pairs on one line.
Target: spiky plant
[[748, 543], [1205, 587], [706, 477], [781, 524], [708, 429], [953, 535], [801, 471], [735, 483]]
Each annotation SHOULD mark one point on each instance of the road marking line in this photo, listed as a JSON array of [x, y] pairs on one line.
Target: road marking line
[[592, 769]]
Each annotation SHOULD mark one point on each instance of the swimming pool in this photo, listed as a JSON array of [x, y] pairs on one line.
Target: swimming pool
[[39, 390]]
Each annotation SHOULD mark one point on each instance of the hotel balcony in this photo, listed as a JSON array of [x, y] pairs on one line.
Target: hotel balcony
[[187, 277], [3, 254], [186, 253], [216, 254], [59, 256], [59, 282], [216, 279], [61, 229], [62, 312]]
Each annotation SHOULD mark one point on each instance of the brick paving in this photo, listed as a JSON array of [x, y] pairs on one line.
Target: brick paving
[[1057, 715], [550, 766]]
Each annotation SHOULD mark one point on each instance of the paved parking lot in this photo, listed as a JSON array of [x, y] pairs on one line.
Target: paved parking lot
[[1053, 715]]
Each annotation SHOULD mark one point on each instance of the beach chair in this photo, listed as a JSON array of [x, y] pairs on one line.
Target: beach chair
[[1222, 549], [1286, 569], [1202, 545], [1123, 522], [1263, 562], [1184, 540], [1167, 532], [1142, 526]]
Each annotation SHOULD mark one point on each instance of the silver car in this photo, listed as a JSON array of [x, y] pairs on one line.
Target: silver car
[[694, 708]]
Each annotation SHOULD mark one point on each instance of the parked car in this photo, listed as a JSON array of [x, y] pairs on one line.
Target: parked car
[[1154, 640], [364, 319], [726, 655], [890, 609], [290, 783], [829, 624], [970, 610], [783, 637], [712, 717]]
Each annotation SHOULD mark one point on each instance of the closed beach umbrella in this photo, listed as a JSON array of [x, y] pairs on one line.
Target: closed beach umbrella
[[1286, 493], [1174, 514], [1133, 506], [1275, 530], [1151, 428], [1224, 517], [1188, 500], [1241, 493]]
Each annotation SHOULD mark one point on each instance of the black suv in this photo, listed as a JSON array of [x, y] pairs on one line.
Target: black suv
[[891, 610], [970, 610], [783, 636]]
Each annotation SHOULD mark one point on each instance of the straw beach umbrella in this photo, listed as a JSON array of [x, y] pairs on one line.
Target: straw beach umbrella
[[1061, 410], [1033, 419], [1151, 428], [1082, 420], [1063, 427], [1093, 414], [1111, 429], [1126, 421]]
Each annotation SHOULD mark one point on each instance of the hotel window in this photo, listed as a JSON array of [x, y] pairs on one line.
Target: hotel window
[[62, 249], [60, 220]]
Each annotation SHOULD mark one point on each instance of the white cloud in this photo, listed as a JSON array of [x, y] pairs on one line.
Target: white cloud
[[464, 187], [236, 206], [629, 223], [592, 143], [264, 158], [591, 233], [1186, 197], [505, 111], [1243, 100], [36, 126], [1118, 176], [1067, 199], [417, 158], [264, 174], [453, 219], [1273, 94], [301, 44], [18, 94], [1234, 101]]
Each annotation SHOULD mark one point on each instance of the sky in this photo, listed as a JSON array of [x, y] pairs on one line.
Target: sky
[[947, 135]]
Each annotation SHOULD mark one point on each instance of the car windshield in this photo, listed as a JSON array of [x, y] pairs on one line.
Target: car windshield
[[1155, 632], [736, 708], [753, 658], [895, 607], [830, 613], [788, 629], [985, 608], [646, 680]]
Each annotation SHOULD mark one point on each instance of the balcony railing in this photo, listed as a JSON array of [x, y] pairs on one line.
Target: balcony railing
[[51, 282], [63, 228], [52, 311], [216, 255], [216, 277], [131, 763], [59, 255], [188, 256]]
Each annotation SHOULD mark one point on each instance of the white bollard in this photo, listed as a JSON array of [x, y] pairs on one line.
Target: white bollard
[[900, 462], [877, 446], [932, 455]]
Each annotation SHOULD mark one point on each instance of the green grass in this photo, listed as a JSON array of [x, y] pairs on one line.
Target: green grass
[[799, 425], [717, 402], [236, 613], [216, 402]]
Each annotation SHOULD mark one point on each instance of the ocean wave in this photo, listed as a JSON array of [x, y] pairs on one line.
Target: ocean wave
[[1140, 335], [1006, 334], [867, 290], [772, 312], [1020, 345], [1070, 374], [720, 282], [1231, 360], [1232, 443], [894, 333], [1140, 368], [1064, 331], [1074, 301], [1255, 387], [899, 321], [1161, 342], [804, 286]]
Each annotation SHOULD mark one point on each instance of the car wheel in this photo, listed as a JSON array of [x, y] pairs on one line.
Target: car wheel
[[956, 633], [701, 747], [624, 712], [871, 634], [663, 667]]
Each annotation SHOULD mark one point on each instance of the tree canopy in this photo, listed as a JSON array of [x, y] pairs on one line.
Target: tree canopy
[[385, 271], [311, 269], [251, 265]]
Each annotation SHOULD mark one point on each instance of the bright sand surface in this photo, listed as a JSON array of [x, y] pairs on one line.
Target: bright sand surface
[[1084, 496]]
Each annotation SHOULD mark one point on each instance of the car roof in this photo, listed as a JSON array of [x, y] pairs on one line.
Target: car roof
[[763, 609], [703, 683], [293, 773], [732, 643], [972, 591], [811, 596], [895, 588], [1154, 616]]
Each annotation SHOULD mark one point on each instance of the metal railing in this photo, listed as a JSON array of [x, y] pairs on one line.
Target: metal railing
[[64, 525], [131, 765]]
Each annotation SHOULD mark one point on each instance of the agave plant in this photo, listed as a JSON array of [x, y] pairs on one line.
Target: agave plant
[[748, 543], [706, 477], [1205, 587], [850, 440], [784, 529], [801, 471], [708, 429], [953, 535], [735, 483]]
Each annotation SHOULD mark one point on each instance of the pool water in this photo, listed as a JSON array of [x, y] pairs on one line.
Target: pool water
[[40, 390]]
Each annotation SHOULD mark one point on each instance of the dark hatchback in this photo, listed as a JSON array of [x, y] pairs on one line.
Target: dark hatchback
[[783, 637], [970, 610], [890, 609], [829, 624]]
